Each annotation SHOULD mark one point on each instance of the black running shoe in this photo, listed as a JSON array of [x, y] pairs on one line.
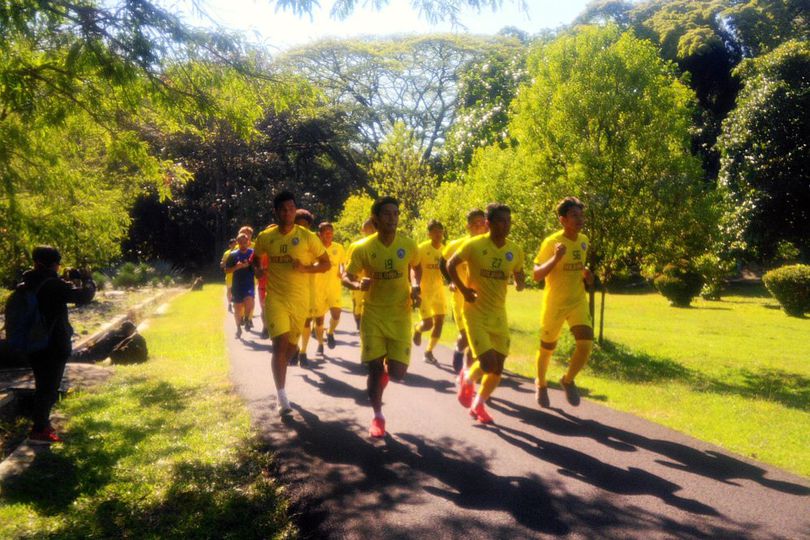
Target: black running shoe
[[571, 392], [330, 341]]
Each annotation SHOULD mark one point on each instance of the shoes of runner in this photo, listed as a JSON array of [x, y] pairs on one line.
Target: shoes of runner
[[303, 361], [330, 341], [571, 392], [238, 332], [293, 361], [46, 436], [265, 334], [284, 406], [465, 391], [377, 429], [541, 395], [458, 361], [481, 414], [430, 359], [248, 324], [320, 349], [417, 338]]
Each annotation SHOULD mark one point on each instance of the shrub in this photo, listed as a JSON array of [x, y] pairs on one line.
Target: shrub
[[714, 271], [679, 283], [168, 281], [790, 285], [101, 280]]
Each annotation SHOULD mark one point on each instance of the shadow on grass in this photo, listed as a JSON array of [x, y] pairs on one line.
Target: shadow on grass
[[614, 361]]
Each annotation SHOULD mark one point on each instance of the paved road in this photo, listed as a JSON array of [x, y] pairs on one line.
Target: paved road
[[585, 472]]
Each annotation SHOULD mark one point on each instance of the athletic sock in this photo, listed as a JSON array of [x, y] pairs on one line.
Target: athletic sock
[[488, 385], [379, 414], [432, 343], [582, 352], [319, 334], [282, 394], [332, 325], [541, 364], [474, 373], [305, 340]]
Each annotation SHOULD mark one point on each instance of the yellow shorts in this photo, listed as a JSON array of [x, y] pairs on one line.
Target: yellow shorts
[[229, 279], [282, 318], [458, 311], [433, 304], [486, 333], [552, 319], [357, 302], [328, 299], [385, 336]]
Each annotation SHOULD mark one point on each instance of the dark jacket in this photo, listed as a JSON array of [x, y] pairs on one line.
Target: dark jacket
[[53, 297]]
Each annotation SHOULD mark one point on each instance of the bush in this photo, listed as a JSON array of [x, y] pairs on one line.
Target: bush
[[714, 271], [790, 285], [679, 283], [101, 280]]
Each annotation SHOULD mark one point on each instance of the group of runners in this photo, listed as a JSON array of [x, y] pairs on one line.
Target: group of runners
[[299, 275]]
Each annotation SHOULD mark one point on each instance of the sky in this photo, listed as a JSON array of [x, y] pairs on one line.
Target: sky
[[261, 23]]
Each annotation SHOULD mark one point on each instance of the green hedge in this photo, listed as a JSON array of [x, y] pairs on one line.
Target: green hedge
[[679, 283], [790, 285]]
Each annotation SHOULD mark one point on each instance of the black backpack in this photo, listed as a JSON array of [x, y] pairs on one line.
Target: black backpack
[[26, 329]]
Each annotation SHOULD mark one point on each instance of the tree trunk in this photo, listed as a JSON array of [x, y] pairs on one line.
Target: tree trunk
[[602, 317]]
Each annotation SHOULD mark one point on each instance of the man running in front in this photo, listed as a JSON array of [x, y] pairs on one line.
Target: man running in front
[[491, 260], [561, 262], [386, 259], [292, 252]]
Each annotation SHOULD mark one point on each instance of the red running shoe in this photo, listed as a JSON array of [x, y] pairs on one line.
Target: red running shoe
[[465, 391], [481, 414], [377, 428], [46, 436]]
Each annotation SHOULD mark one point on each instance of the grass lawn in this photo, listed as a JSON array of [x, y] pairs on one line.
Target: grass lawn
[[735, 373], [164, 450]]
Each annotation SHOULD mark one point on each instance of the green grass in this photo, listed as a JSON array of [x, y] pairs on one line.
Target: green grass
[[735, 373], [164, 450]]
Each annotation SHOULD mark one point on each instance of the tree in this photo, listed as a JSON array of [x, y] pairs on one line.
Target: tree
[[379, 82], [398, 171], [765, 159], [607, 120]]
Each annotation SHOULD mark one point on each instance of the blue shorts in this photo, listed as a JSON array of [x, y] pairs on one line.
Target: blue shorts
[[240, 293]]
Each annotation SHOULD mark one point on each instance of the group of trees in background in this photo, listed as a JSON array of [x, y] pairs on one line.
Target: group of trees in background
[[682, 125]]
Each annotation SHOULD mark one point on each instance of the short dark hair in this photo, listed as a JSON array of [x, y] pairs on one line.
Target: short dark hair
[[494, 208], [304, 214], [435, 224], [232, 241], [281, 198], [567, 204], [382, 201], [474, 213], [46, 256], [325, 225]]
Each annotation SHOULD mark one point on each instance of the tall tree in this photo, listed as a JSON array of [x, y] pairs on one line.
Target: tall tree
[[765, 154], [380, 82], [607, 120]]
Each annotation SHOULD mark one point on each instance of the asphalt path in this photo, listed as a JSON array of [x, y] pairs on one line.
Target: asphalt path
[[578, 472]]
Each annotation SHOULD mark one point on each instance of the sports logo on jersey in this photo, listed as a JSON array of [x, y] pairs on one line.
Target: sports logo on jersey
[[295, 241], [401, 253], [584, 246], [509, 256]]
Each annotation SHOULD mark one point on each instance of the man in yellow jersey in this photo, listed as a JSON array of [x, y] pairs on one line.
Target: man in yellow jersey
[[228, 275], [492, 259], [386, 259], [327, 287], [357, 296], [476, 224], [561, 262], [434, 305], [293, 253], [305, 219]]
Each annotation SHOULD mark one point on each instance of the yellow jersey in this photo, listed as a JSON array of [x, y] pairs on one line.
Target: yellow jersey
[[228, 275], [430, 259], [389, 270], [564, 284], [331, 278], [489, 268], [283, 282]]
